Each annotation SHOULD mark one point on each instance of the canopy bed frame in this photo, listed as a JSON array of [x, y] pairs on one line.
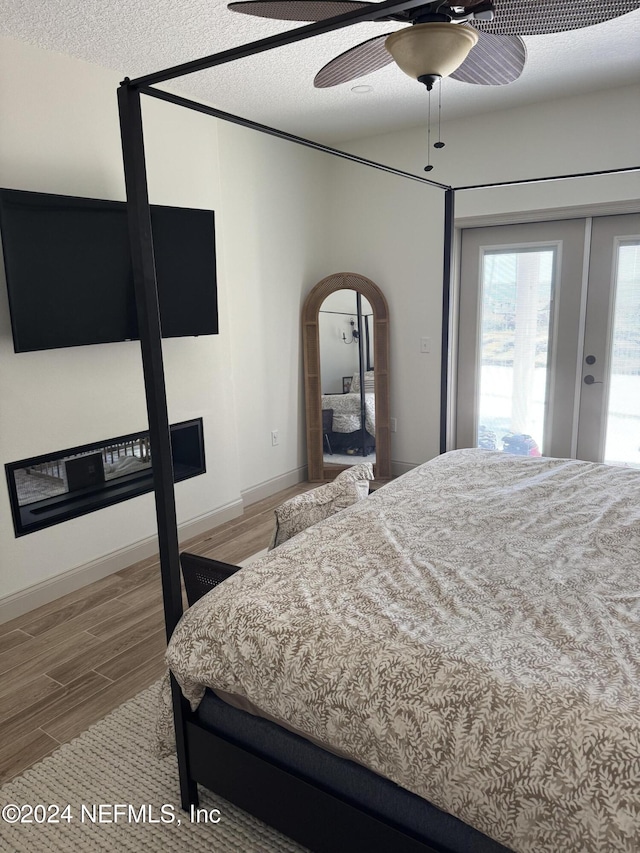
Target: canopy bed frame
[[306, 812]]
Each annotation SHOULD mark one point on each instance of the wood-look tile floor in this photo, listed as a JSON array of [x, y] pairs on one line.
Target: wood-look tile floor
[[69, 663]]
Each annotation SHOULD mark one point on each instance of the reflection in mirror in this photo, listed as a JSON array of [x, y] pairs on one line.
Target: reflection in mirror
[[345, 338], [46, 490], [345, 328], [68, 473]]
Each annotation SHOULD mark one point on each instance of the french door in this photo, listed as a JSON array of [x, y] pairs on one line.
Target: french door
[[549, 339]]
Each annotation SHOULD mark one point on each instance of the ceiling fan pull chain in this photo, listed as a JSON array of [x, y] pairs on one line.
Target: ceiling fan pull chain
[[439, 143], [428, 167]]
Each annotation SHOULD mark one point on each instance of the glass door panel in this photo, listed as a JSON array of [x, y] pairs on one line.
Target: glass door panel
[[609, 414], [520, 285], [515, 334], [549, 339], [622, 430]]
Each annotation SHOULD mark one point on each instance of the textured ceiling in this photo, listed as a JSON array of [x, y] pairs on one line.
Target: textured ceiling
[[137, 37]]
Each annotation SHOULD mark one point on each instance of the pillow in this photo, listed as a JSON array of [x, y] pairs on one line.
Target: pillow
[[362, 471], [358, 474], [301, 511], [369, 382]]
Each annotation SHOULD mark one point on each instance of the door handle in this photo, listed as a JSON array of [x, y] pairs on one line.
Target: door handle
[[590, 380]]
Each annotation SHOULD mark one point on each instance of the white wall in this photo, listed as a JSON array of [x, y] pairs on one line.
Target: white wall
[[585, 133], [391, 229], [274, 233], [61, 134]]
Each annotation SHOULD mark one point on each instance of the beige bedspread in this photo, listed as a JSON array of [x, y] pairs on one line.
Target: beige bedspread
[[347, 412], [470, 631]]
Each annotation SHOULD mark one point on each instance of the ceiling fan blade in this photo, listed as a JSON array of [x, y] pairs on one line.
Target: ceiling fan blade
[[362, 59], [515, 17], [297, 10], [494, 61]]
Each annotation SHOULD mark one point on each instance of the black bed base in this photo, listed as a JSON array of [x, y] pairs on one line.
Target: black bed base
[[303, 812], [322, 800], [319, 803], [343, 441]]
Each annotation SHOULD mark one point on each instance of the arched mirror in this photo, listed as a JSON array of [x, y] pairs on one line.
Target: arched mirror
[[345, 328]]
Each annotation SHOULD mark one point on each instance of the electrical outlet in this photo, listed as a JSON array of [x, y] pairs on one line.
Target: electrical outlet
[[393, 423], [275, 437]]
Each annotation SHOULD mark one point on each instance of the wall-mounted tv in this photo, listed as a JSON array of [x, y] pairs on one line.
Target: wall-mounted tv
[[69, 273]]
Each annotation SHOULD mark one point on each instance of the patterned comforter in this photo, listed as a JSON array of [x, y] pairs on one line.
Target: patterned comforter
[[346, 412], [470, 631]]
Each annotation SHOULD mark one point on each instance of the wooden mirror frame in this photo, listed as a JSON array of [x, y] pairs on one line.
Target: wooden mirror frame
[[318, 472]]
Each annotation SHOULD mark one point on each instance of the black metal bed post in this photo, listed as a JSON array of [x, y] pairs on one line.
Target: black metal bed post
[[447, 273], [205, 109], [520, 182], [144, 276]]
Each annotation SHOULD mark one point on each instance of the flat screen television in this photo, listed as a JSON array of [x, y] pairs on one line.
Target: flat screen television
[[69, 273]]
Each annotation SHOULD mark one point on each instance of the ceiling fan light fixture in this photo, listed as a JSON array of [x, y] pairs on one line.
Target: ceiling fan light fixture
[[429, 51]]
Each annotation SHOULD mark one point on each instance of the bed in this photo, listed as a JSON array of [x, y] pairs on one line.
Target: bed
[[466, 637], [346, 412], [346, 423]]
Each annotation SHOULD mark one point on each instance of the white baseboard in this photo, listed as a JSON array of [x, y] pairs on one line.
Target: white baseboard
[[400, 468], [198, 526], [277, 484], [18, 603], [26, 600]]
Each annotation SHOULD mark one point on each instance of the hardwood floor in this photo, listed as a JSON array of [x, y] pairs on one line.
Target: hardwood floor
[[69, 663]]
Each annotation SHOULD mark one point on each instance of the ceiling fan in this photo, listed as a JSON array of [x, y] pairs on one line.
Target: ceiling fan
[[478, 42]]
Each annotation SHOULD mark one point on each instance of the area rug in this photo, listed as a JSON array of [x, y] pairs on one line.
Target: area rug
[[120, 797]]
